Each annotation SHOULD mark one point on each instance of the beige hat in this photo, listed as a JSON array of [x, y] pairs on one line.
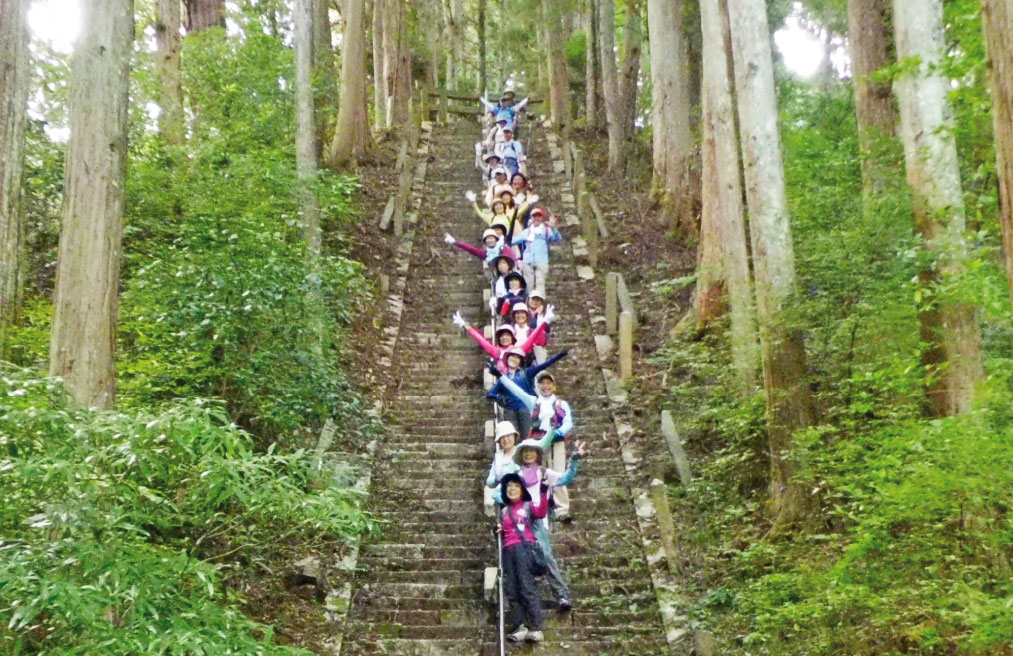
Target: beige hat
[[504, 428]]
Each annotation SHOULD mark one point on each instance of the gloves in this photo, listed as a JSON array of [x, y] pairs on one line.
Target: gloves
[[448, 238], [459, 320], [492, 303], [550, 314], [470, 195], [493, 369]]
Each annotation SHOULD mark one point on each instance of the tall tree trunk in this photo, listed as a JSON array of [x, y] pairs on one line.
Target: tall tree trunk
[[592, 70], [397, 65], [949, 327], [997, 17], [633, 37], [167, 42], [379, 75], [83, 341], [559, 83], [202, 14], [789, 406], [305, 132], [869, 37], [610, 85], [673, 141], [351, 134], [724, 260], [456, 50], [483, 54], [325, 82], [14, 76]]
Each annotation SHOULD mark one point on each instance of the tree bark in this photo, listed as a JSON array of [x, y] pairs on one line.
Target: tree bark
[[351, 134], [724, 263], [949, 326], [379, 76], [14, 76], [167, 47], [633, 37], [397, 65], [559, 82], [869, 38], [593, 100], [325, 82], [789, 406], [455, 23], [483, 54], [83, 339], [997, 18], [305, 132], [673, 141], [202, 14], [610, 85]]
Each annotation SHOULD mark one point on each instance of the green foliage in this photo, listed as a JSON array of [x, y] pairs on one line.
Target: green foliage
[[111, 523], [220, 295]]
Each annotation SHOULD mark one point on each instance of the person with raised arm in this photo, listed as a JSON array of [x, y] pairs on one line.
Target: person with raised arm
[[498, 350]]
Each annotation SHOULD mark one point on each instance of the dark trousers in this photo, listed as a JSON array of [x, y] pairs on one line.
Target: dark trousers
[[521, 419], [520, 589]]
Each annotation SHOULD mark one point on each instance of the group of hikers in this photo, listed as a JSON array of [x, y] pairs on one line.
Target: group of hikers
[[529, 472]]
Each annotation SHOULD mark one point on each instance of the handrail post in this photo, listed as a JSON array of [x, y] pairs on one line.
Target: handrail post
[[611, 302], [625, 345]]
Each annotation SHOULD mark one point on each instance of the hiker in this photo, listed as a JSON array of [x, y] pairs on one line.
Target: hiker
[[514, 409], [506, 109], [524, 194], [490, 162], [517, 517], [522, 322], [536, 308], [493, 245], [504, 337], [503, 460], [496, 212], [495, 134], [503, 265], [535, 240], [516, 292], [528, 458], [550, 415], [511, 152]]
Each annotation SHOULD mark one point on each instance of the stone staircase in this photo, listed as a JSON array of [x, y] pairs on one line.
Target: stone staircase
[[419, 587]]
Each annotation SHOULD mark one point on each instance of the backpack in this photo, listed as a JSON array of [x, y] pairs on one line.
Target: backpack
[[558, 414]]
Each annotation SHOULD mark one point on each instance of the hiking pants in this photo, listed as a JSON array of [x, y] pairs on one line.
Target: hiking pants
[[521, 419], [536, 275], [556, 460], [554, 577], [511, 165], [520, 589]]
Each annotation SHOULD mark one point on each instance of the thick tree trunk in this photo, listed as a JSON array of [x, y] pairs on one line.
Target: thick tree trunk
[[14, 76], [351, 134], [629, 75], [202, 14], [83, 340], [869, 36], [397, 65], [673, 141], [379, 75], [167, 42], [558, 77], [789, 406], [325, 79], [950, 327], [722, 203], [592, 76], [610, 85], [997, 17], [456, 28]]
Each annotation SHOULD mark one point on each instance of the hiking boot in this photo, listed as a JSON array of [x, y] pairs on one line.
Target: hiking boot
[[534, 636], [564, 605], [563, 516], [520, 634]]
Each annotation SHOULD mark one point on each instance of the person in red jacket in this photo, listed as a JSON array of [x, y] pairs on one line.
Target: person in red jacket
[[516, 525], [504, 337]]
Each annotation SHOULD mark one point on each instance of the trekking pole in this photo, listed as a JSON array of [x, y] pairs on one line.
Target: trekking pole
[[499, 574]]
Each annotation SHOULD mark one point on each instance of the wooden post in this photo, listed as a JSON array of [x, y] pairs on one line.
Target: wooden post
[[424, 95], [611, 302], [625, 346], [583, 207], [592, 238], [675, 447], [666, 527], [567, 161]]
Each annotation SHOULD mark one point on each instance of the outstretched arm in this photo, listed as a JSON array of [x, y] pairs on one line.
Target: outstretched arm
[[537, 333], [519, 394], [532, 372], [488, 105], [480, 339], [522, 104], [570, 473], [474, 250]]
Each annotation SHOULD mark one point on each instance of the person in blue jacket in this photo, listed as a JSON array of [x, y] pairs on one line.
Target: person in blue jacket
[[514, 409], [535, 240]]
